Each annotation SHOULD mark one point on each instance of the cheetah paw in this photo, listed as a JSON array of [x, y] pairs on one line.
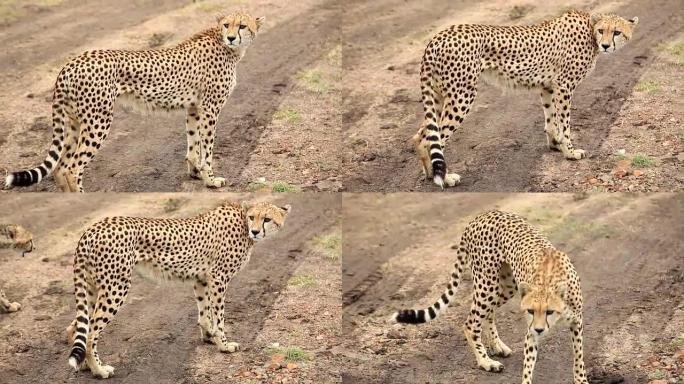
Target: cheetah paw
[[575, 154], [491, 365], [215, 182], [501, 349], [103, 371], [229, 347]]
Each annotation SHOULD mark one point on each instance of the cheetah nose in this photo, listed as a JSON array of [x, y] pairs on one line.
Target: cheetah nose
[[539, 330], [230, 38], [255, 232], [605, 46]]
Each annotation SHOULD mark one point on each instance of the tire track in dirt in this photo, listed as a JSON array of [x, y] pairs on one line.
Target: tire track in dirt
[[620, 249], [502, 147], [154, 336]]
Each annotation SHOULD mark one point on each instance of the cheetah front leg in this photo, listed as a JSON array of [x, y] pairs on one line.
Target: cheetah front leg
[[217, 290], [479, 311], [192, 156], [562, 101], [579, 372], [530, 358], [7, 305], [207, 130]]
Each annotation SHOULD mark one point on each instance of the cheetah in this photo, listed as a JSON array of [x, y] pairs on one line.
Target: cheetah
[[16, 237], [506, 255], [552, 57], [208, 249], [197, 76]]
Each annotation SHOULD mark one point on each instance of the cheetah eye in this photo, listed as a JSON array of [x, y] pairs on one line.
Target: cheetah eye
[[251, 218], [617, 33], [226, 26], [550, 312], [267, 220], [530, 311], [242, 26], [600, 31]]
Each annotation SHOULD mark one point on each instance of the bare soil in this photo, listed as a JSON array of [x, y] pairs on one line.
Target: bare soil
[[627, 250], [501, 145], [145, 153], [154, 338]]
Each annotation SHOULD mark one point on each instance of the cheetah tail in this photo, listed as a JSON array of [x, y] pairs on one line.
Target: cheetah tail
[[78, 349], [432, 130], [419, 316], [33, 176]]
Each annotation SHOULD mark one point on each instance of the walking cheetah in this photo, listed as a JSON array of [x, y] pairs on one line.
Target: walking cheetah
[[552, 57], [208, 249], [506, 255], [197, 75], [16, 237]]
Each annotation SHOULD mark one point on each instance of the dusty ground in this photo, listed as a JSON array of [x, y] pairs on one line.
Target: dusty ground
[[154, 337], [627, 250], [280, 124], [501, 146]]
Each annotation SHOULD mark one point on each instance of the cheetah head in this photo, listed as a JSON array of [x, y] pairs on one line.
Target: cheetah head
[[543, 302], [239, 29], [17, 237], [612, 32], [265, 219]]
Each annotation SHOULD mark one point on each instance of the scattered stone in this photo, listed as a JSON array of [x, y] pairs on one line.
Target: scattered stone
[[42, 318], [680, 157], [391, 68], [606, 178], [395, 334], [638, 172], [389, 126]]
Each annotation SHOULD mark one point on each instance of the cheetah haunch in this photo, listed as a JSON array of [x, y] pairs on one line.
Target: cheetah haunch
[[197, 76], [507, 255], [208, 249], [553, 57]]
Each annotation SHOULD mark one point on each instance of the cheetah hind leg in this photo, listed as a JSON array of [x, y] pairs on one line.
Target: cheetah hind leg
[[193, 171], [422, 150]]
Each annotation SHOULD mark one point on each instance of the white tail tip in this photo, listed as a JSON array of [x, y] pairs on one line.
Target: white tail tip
[[393, 318], [8, 180], [73, 363], [439, 181]]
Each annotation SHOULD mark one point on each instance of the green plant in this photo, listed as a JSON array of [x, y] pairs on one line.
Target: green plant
[[292, 354], [642, 161], [330, 245], [313, 80], [305, 281], [288, 115], [648, 86], [281, 186]]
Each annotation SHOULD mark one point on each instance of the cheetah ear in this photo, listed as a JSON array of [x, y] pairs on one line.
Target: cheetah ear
[[595, 17], [634, 20], [245, 206], [12, 231], [287, 208], [562, 289], [524, 288], [259, 21]]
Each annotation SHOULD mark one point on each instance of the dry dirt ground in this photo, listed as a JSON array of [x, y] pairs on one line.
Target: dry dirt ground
[[284, 307], [279, 130], [630, 107], [627, 249]]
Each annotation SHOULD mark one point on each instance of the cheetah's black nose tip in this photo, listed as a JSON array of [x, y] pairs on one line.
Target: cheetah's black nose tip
[[539, 330], [231, 38], [255, 232], [605, 46]]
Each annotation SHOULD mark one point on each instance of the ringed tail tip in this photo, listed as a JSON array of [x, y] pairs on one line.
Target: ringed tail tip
[[73, 363]]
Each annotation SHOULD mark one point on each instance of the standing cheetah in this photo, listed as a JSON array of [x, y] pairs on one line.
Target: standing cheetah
[[506, 255], [198, 76], [208, 249], [552, 57], [16, 237]]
